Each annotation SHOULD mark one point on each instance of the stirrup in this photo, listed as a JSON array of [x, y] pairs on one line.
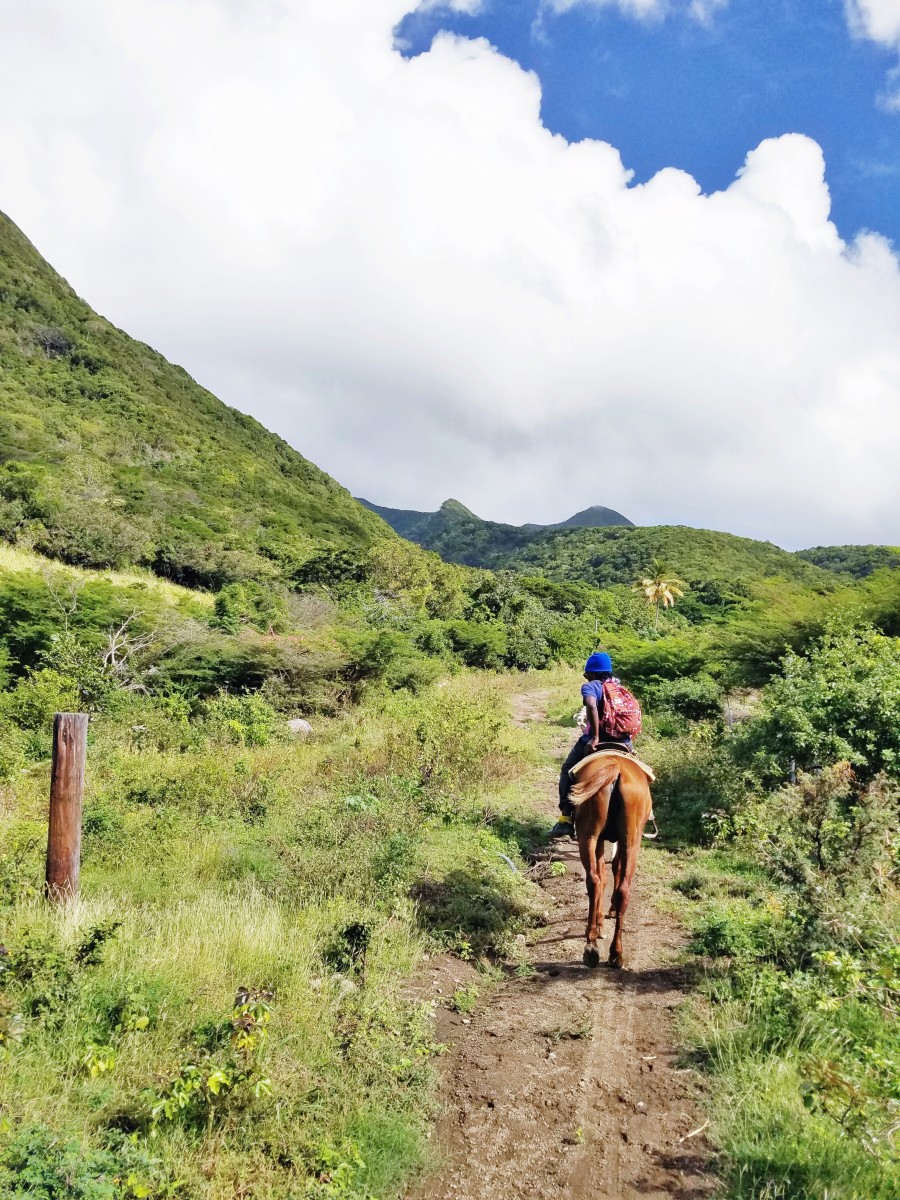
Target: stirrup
[[651, 837], [564, 827]]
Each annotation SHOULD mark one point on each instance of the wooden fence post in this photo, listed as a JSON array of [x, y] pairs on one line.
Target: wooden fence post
[[66, 793]]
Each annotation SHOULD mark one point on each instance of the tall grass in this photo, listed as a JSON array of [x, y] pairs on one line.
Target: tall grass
[[773, 1040], [314, 874]]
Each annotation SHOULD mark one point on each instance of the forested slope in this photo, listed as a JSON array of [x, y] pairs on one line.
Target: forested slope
[[858, 561], [616, 555], [113, 455], [459, 536]]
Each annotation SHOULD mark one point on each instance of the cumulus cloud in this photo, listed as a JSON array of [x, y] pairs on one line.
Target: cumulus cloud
[[395, 265], [879, 21], [470, 7], [876, 19]]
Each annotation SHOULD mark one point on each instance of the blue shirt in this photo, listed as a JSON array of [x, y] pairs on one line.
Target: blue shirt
[[593, 688]]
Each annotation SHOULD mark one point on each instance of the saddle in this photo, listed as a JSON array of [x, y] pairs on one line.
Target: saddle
[[612, 752]]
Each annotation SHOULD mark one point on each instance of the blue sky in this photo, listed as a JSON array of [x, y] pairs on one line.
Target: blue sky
[[678, 92]]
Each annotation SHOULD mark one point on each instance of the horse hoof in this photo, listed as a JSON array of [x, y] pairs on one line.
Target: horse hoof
[[591, 956], [616, 961]]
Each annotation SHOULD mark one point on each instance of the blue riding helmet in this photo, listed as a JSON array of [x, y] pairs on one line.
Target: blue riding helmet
[[598, 663]]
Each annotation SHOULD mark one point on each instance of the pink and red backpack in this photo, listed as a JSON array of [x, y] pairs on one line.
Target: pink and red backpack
[[621, 715]]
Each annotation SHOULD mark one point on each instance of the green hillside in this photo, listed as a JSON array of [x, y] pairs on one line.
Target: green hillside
[[858, 561], [608, 556], [587, 518], [459, 536], [112, 455], [721, 568]]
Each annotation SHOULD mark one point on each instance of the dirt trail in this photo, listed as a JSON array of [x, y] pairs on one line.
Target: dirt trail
[[564, 1083]]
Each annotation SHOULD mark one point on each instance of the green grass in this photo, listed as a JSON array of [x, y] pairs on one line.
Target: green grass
[[758, 1031], [368, 848]]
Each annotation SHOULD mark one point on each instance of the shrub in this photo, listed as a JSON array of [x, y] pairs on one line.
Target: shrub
[[698, 698], [478, 643], [13, 749], [334, 569], [250, 605], [841, 700], [34, 700], [416, 578], [829, 841], [246, 720], [735, 929], [644, 663], [446, 739], [72, 659], [384, 656], [38, 1164], [696, 779], [94, 535], [500, 600]]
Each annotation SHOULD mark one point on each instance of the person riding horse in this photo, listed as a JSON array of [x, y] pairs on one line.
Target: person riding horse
[[604, 800], [597, 670]]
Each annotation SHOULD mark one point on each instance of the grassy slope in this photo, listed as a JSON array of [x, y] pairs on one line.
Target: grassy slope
[[16, 560], [755, 1033], [80, 398]]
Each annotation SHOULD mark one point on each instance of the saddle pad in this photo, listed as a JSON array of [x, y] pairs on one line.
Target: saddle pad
[[648, 771]]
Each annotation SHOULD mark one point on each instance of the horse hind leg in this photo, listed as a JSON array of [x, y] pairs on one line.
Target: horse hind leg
[[620, 897], [617, 822], [637, 809], [594, 879], [618, 861]]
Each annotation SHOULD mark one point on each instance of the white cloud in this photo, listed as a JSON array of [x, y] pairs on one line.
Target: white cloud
[[463, 6], [879, 21], [395, 265], [644, 10]]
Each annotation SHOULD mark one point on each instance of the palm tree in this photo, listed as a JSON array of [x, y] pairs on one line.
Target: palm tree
[[660, 587]]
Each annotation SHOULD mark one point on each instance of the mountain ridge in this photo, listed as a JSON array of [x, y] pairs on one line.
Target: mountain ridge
[[460, 536]]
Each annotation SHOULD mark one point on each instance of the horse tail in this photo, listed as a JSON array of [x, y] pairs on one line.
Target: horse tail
[[594, 777]]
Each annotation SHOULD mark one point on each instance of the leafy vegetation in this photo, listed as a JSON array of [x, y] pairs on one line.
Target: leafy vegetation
[[621, 555], [794, 914], [226, 1005], [858, 561]]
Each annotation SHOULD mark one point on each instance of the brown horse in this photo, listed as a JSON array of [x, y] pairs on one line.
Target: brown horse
[[613, 804]]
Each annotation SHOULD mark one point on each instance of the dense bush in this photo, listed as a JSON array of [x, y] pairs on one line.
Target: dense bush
[[245, 720], [251, 606], [841, 700], [828, 840], [698, 697], [696, 781]]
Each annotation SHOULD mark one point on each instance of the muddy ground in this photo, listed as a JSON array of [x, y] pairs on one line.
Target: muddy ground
[[564, 1082]]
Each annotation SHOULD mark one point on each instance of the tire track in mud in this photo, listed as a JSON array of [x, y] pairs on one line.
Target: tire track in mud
[[565, 1082]]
